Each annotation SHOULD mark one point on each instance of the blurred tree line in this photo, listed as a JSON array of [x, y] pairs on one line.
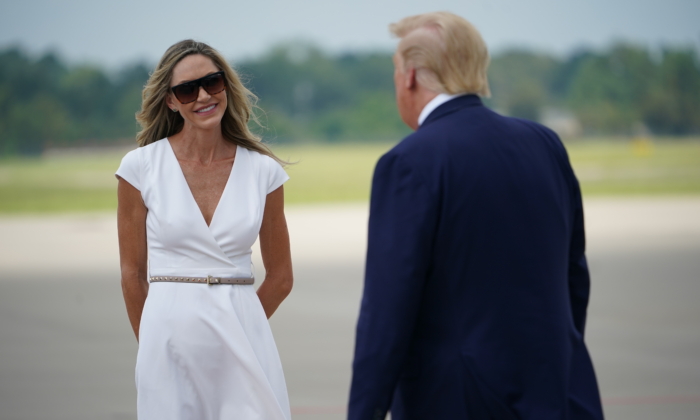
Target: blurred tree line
[[306, 94], [45, 103]]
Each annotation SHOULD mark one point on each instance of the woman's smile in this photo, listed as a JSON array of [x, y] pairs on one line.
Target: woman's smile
[[206, 110]]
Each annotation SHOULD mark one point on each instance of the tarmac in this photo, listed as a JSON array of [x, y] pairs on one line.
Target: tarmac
[[67, 351]]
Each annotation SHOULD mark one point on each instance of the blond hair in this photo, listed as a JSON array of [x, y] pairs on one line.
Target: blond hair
[[158, 121], [446, 51]]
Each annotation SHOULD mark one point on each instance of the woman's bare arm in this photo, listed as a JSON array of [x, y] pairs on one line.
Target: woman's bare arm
[[276, 256], [133, 254]]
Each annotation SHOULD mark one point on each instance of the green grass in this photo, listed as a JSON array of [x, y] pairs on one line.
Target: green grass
[[82, 182], [638, 167], [326, 173], [337, 173]]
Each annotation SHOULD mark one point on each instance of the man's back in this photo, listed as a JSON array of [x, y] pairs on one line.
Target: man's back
[[476, 283]]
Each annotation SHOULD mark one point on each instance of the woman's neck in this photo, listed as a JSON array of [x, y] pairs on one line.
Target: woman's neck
[[205, 146]]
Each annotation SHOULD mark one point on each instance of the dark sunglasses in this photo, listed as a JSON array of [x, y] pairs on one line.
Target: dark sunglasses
[[189, 91]]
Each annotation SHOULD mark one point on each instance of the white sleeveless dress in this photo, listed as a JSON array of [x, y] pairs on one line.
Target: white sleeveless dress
[[205, 352]]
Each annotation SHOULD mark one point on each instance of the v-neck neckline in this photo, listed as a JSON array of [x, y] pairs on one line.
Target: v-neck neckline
[[184, 179]]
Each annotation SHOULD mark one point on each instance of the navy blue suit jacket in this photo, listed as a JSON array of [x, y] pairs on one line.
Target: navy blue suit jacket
[[476, 282]]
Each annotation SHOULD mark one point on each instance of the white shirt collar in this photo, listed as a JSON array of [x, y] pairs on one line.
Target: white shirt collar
[[434, 103]]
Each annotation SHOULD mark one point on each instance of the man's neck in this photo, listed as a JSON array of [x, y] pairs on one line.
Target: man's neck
[[435, 102], [418, 100]]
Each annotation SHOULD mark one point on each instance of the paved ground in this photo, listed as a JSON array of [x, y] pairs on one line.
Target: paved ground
[[66, 351]]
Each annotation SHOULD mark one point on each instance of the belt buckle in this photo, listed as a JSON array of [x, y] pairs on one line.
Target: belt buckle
[[213, 280]]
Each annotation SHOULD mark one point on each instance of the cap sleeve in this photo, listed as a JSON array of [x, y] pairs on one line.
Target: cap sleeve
[[130, 169], [276, 176]]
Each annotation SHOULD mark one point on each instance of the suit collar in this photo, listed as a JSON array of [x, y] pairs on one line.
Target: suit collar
[[431, 106], [451, 106]]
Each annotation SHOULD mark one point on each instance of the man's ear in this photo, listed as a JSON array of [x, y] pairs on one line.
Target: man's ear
[[410, 80]]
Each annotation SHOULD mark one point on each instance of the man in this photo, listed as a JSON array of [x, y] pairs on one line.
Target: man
[[476, 282]]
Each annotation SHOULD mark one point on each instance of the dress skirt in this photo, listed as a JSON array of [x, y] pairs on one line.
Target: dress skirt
[[207, 353]]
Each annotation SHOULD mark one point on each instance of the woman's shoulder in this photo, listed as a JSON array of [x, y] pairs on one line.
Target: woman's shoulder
[[132, 158], [252, 154], [154, 147], [256, 158], [147, 149], [140, 156], [270, 172]]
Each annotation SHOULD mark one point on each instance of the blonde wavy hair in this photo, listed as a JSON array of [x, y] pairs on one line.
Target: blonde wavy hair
[[447, 52], [158, 121]]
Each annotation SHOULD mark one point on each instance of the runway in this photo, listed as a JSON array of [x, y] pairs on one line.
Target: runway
[[67, 352]]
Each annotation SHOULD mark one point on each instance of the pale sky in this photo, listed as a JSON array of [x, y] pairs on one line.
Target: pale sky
[[115, 33]]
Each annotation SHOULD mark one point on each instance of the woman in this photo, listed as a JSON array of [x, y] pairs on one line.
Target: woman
[[192, 200]]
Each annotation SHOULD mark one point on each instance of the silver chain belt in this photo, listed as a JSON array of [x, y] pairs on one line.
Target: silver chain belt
[[207, 280]]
